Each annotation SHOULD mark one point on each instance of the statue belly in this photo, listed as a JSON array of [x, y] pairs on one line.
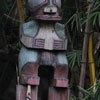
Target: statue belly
[[48, 34]]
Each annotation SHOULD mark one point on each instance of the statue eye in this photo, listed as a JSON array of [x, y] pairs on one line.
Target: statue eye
[[35, 3], [58, 3]]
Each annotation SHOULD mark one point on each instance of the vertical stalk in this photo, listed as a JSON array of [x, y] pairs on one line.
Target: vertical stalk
[[83, 65], [88, 29], [91, 61], [20, 11]]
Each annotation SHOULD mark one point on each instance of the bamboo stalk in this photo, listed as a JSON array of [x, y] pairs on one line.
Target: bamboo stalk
[[91, 61], [88, 29], [83, 65], [20, 11]]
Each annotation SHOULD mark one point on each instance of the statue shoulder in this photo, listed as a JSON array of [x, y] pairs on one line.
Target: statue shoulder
[[60, 30], [30, 29]]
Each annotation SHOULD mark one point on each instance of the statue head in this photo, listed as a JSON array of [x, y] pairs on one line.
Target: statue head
[[44, 9]]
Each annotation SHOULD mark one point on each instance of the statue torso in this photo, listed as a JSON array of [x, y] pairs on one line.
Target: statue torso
[[43, 36]]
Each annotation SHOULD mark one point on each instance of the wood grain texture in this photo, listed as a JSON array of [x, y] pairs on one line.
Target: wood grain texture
[[58, 94], [21, 92]]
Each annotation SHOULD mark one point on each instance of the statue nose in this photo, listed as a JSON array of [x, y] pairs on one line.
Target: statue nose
[[50, 9]]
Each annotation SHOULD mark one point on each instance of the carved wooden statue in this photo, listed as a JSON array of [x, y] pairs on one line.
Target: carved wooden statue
[[44, 44]]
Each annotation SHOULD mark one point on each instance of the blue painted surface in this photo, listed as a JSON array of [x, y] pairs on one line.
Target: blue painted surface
[[30, 28], [62, 59], [58, 2], [34, 3], [60, 30], [25, 56]]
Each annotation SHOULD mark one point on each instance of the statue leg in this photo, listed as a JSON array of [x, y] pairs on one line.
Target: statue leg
[[28, 75], [21, 92], [59, 89]]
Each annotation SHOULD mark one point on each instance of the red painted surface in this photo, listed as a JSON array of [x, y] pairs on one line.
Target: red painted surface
[[39, 43], [29, 76], [21, 92], [48, 17], [60, 83], [58, 94], [30, 69], [34, 94], [33, 81], [61, 71], [59, 45]]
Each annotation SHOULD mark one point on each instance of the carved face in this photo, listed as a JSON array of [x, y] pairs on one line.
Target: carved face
[[44, 7], [36, 3]]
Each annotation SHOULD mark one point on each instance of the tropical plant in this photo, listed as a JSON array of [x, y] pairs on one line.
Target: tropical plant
[[89, 94], [74, 57], [76, 24]]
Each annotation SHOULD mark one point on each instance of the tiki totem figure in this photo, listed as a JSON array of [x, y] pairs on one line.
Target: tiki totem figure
[[44, 43]]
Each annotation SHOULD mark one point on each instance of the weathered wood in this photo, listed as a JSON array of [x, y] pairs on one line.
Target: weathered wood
[[47, 32], [47, 43], [30, 74], [34, 93], [21, 92], [47, 37], [58, 94]]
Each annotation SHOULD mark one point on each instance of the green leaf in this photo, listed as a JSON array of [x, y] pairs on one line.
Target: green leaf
[[74, 57], [89, 17], [72, 24], [84, 91], [77, 20], [86, 97], [95, 18], [69, 19]]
